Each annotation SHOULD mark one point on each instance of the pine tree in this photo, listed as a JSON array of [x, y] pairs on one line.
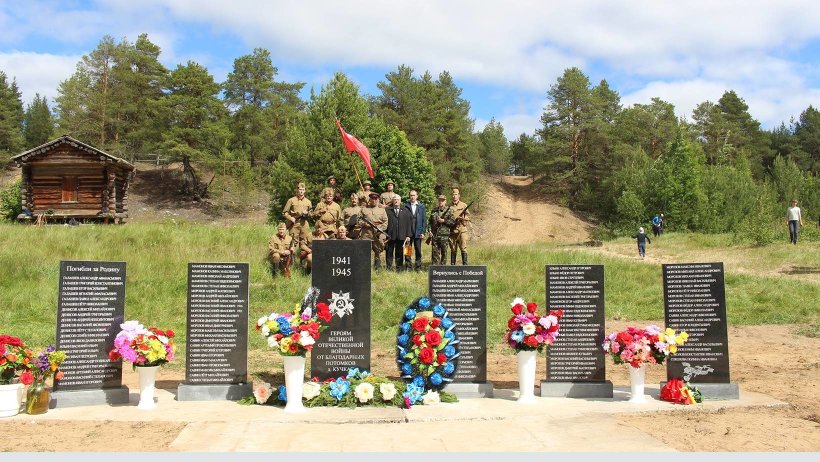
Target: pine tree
[[11, 118], [38, 123]]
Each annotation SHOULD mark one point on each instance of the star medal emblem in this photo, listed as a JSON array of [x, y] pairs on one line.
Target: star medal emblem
[[341, 304]]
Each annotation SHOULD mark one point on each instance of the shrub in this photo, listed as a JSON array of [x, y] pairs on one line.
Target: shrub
[[10, 201]]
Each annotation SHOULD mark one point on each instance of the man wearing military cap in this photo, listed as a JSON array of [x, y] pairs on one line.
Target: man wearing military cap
[[280, 248], [328, 214], [386, 198], [378, 217], [337, 193], [296, 212], [350, 215], [441, 221], [364, 193]]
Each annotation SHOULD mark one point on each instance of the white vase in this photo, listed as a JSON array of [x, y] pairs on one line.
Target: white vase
[[10, 398], [148, 379], [637, 379], [294, 379], [526, 376]]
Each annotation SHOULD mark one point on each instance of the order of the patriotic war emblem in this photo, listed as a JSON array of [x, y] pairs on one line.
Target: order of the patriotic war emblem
[[341, 304]]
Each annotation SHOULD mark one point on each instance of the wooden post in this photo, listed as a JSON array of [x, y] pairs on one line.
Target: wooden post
[[112, 199], [106, 192]]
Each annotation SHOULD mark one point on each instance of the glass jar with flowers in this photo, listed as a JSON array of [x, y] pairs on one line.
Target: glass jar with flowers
[[527, 333], [146, 349], [15, 371], [47, 365]]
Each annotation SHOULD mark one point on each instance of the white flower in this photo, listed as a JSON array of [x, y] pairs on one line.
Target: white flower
[[262, 393], [364, 392], [518, 301], [305, 339], [388, 391], [262, 321], [310, 390], [431, 397], [528, 328], [265, 330], [272, 341]]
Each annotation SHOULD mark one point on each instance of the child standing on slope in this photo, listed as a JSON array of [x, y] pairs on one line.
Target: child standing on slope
[[642, 240]]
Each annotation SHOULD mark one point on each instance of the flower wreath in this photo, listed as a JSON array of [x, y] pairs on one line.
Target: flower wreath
[[426, 346]]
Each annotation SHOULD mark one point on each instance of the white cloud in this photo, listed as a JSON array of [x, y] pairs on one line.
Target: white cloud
[[37, 73]]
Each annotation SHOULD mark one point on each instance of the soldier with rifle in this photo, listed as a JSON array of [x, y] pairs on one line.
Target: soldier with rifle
[[350, 216], [328, 214], [458, 234], [441, 221], [297, 211], [373, 221], [280, 251]]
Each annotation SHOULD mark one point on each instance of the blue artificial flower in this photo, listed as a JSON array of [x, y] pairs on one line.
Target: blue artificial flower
[[449, 368], [413, 393], [435, 378], [406, 368], [403, 339], [405, 327], [517, 336], [352, 373], [446, 323], [449, 350], [450, 335], [339, 388], [284, 326], [410, 313], [283, 396], [424, 303], [363, 374], [418, 381], [439, 310]]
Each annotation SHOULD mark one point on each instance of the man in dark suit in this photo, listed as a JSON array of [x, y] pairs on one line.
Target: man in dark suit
[[419, 214], [399, 232]]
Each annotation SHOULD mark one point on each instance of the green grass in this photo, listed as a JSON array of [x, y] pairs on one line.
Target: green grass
[[158, 254]]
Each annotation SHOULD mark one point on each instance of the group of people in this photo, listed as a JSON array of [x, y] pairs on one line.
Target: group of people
[[394, 228]]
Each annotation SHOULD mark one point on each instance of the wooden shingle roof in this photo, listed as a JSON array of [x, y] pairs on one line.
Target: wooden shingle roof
[[24, 157]]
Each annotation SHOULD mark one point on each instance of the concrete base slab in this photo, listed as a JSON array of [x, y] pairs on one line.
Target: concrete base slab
[[74, 398], [716, 391], [229, 392], [576, 389], [470, 390]]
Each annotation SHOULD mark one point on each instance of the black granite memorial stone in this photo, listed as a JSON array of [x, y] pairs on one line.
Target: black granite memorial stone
[[217, 335], [695, 302], [576, 363], [90, 309], [341, 272], [463, 292]]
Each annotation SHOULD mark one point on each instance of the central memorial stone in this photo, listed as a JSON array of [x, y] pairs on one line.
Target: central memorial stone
[[341, 272], [463, 292], [217, 333]]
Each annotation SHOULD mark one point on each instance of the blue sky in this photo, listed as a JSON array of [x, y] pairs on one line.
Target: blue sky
[[503, 54]]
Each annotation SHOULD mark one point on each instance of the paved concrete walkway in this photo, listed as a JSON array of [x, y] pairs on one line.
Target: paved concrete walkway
[[499, 424]]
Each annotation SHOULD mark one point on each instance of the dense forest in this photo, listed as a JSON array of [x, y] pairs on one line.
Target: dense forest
[[716, 171]]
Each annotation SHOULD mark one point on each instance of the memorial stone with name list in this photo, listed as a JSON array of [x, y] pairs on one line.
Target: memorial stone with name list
[[463, 292], [576, 363], [341, 272], [90, 309], [217, 333], [695, 302]]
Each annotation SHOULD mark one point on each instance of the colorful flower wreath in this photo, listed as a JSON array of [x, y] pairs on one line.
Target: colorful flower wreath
[[426, 346]]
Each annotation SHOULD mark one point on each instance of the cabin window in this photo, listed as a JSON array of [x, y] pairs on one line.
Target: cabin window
[[69, 189]]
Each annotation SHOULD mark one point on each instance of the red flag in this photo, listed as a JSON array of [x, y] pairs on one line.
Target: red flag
[[354, 145]]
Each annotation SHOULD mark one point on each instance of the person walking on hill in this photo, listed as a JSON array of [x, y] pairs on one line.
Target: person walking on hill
[[794, 218], [656, 225], [642, 238]]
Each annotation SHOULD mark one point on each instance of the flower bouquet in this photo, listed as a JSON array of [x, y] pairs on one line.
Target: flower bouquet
[[527, 333], [679, 392], [15, 371], [47, 365], [293, 334], [638, 347], [145, 349], [426, 347]]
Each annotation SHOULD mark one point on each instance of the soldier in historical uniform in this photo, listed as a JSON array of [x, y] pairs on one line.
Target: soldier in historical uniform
[[328, 214], [281, 246], [350, 216], [306, 248], [341, 233], [296, 212], [458, 234], [386, 198], [364, 194], [441, 221], [337, 193], [378, 218]]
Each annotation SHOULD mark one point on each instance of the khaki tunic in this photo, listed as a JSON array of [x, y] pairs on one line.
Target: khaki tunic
[[458, 235], [363, 196], [293, 211], [278, 245], [305, 251], [386, 198], [378, 217], [328, 217]]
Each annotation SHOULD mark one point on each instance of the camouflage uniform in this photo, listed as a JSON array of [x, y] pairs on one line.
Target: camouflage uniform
[[378, 217], [440, 239], [296, 212]]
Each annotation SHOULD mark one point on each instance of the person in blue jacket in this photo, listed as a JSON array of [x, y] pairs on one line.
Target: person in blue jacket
[[642, 238], [419, 213]]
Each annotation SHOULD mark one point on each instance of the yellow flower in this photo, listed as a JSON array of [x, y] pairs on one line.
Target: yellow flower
[[284, 344], [272, 325]]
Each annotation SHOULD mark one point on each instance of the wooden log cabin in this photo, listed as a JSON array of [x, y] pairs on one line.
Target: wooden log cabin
[[66, 178]]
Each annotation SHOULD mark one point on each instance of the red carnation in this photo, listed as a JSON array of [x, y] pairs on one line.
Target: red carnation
[[432, 337], [323, 312], [294, 347], [420, 324], [557, 313], [170, 334], [295, 337], [113, 355], [511, 324], [435, 323], [27, 378], [441, 358], [517, 308], [417, 339], [427, 355], [530, 340], [531, 307]]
